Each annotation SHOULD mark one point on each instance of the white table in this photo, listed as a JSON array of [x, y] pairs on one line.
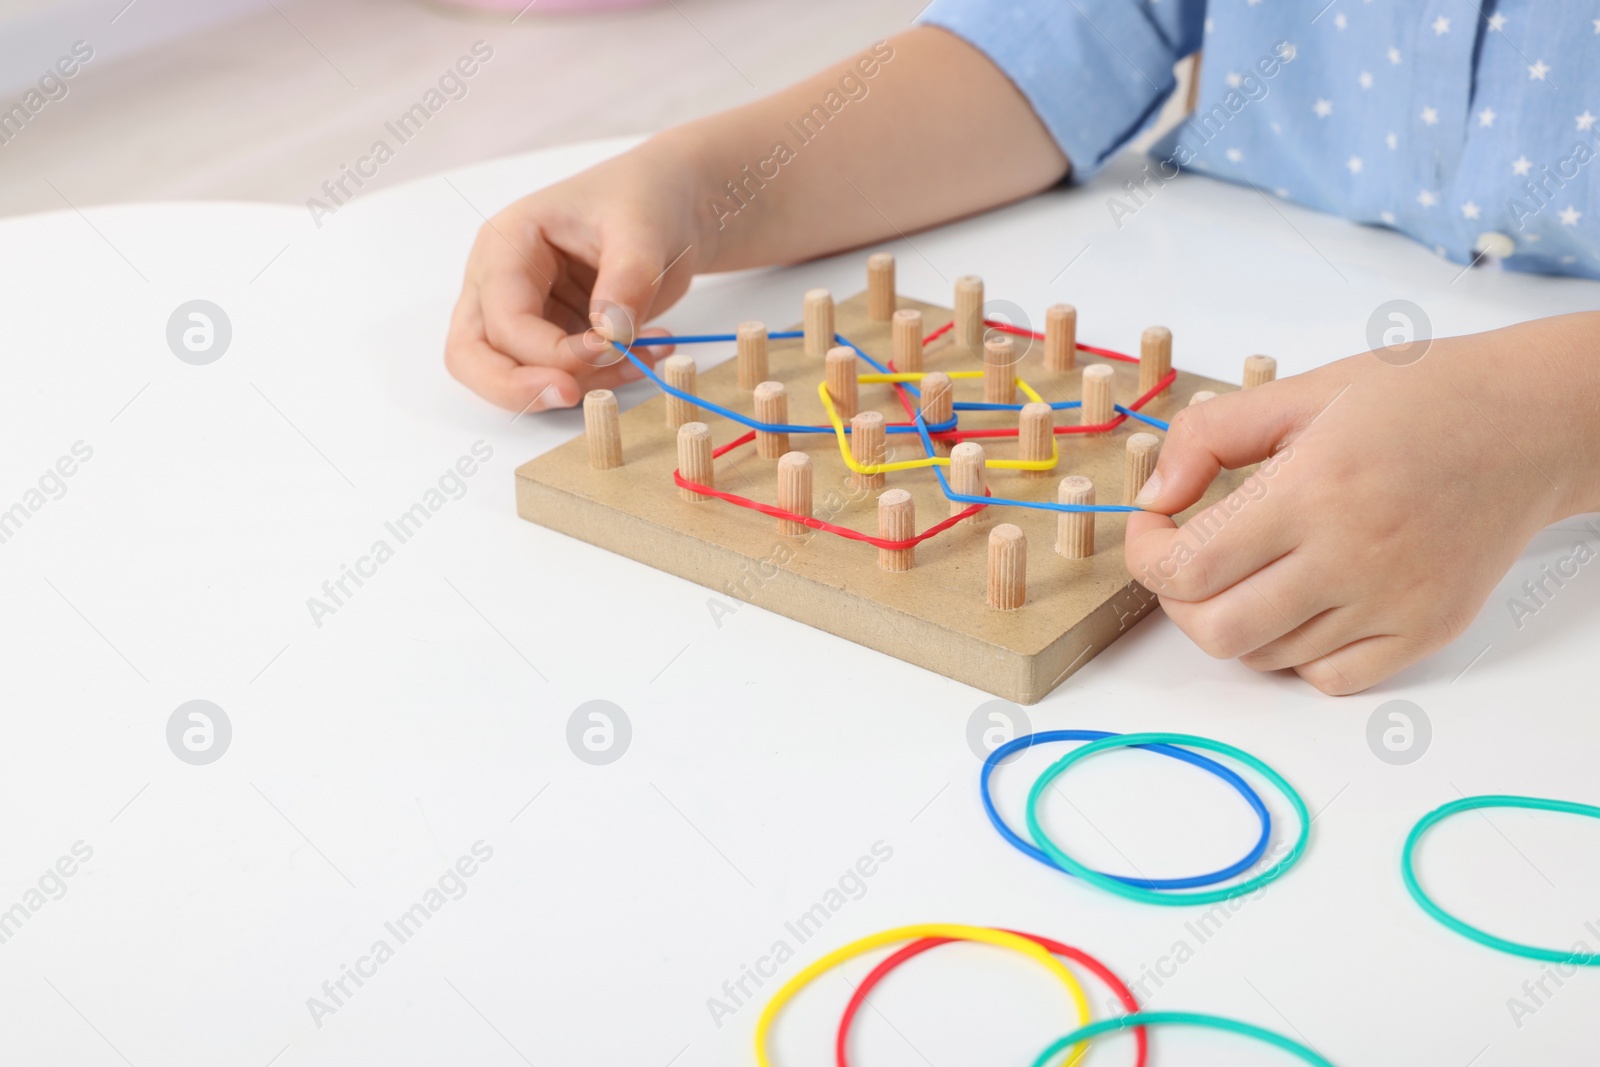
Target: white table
[[430, 711]]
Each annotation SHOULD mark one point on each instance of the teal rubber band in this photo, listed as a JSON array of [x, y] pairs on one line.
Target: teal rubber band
[[1472, 933], [1180, 1018], [1153, 896]]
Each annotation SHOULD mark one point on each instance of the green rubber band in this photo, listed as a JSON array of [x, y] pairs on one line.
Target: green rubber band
[[1180, 1018], [1154, 896], [1483, 937]]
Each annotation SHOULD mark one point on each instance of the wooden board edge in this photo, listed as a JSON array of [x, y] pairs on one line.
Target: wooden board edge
[[991, 667]]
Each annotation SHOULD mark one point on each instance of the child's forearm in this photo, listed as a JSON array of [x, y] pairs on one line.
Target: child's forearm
[[1564, 359], [844, 159]]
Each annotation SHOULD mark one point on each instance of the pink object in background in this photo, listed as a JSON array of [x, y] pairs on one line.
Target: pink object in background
[[551, 5]]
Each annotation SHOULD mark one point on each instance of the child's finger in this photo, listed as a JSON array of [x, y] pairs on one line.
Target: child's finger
[[1254, 613], [493, 374], [514, 322], [1245, 532], [1360, 664], [1312, 639], [512, 385], [625, 285], [1229, 431]]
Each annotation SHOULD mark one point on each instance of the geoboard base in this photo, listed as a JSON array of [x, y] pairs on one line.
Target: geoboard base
[[934, 615]]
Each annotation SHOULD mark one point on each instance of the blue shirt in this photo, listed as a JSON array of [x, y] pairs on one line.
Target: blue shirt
[[1472, 129]]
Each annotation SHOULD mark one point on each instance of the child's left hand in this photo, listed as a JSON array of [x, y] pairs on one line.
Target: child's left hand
[[1392, 500]]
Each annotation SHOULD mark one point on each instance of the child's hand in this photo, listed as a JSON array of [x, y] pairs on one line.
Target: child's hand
[[1396, 498], [555, 276]]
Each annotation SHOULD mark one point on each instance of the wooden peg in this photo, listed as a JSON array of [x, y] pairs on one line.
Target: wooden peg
[[679, 372], [694, 459], [772, 405], [1143, 449], [1155, 357], [869, 446], [601, 430], [880, 287], [967, 477], [1036, 432], [794, 491], [818, 322], [1008, 567], [1096, 409], [937, 399], [1060, 337], [1201, 397], [907, 332], [897, 521], [1259, 370], [968, 329], [999, 370], [1075, 529], [841, 377], [752, 342]]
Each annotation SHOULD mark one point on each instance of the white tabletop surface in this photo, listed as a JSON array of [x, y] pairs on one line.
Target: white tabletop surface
[[429, 713]]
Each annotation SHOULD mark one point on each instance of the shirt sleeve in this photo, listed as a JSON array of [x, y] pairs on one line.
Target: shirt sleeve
[[1096, 72]]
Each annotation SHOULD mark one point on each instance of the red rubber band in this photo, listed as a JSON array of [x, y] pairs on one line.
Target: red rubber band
[[917, 948], [1006, 327], [933, 531], [817, 524]]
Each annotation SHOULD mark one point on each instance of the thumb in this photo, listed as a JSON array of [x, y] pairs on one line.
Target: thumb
[[1229, 431], [626, 281]]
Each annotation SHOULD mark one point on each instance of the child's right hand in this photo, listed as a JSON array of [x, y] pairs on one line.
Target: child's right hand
[[558, 274]]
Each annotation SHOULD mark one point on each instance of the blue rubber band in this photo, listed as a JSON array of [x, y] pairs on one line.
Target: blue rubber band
[[1132, 414], [741, 418], [917, 426], [706, 338], [1027, 848]]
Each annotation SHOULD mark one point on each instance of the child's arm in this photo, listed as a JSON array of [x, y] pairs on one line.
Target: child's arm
[[936, 132], [1397, 499]]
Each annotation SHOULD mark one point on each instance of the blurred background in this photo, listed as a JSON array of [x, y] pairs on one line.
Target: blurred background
[[266, 99]]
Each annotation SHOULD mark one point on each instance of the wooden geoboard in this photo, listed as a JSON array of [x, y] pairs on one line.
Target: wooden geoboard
[[935, 615]]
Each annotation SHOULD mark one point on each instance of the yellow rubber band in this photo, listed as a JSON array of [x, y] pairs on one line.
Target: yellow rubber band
[[983, 934], [930, 461], [915, 376]]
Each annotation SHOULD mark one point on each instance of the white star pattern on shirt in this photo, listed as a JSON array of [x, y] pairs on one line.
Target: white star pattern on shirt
[[1452, 150]]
